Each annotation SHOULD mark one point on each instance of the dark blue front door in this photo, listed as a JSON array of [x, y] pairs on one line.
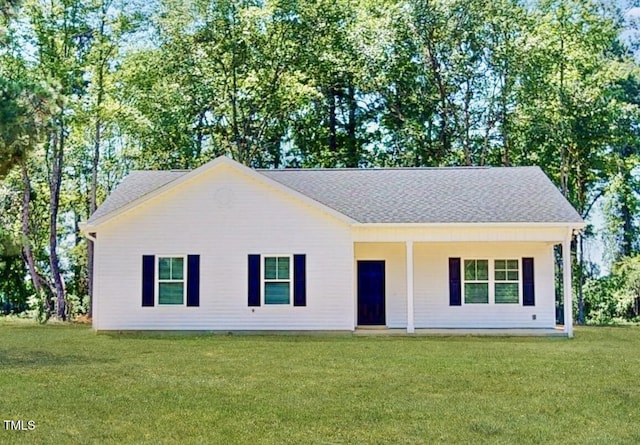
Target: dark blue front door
[[371, 293]]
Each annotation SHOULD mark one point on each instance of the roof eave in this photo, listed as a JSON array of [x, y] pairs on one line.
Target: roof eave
[[571, 225]]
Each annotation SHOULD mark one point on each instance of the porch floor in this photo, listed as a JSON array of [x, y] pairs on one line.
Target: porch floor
[[503, 332]]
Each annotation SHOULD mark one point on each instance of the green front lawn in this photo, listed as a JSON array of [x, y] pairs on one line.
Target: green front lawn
[[79, 387]]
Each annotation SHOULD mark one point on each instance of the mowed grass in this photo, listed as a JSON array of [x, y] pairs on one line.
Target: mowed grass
[[79, 387]]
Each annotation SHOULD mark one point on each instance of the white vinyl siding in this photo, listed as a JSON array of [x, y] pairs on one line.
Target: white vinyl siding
[[431, 287], [431, 284], [224, 216]]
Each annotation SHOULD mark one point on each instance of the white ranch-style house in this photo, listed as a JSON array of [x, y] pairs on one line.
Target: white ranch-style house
[[228, 248]]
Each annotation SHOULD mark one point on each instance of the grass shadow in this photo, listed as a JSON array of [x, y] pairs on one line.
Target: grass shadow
[[25, 358]]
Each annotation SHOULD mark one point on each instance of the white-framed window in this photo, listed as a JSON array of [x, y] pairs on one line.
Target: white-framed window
[[277, 273], [172, 277], [476, 281], [507, 282], [491, 281]]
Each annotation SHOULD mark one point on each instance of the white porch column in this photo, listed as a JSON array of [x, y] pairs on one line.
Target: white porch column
[[567, 287], [410, 322]]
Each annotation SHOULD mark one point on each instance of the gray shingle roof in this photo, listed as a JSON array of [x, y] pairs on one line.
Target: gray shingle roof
[[410, 195], [434, 195], [137, 184]]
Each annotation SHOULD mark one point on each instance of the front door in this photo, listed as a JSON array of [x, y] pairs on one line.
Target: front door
[[370, 293]]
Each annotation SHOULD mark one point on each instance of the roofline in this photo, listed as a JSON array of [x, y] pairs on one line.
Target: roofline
[[221, 160], [570, 225], [574, 226], [379, 169]]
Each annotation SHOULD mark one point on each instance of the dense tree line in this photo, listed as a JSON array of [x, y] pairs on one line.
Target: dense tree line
[[92, 89]]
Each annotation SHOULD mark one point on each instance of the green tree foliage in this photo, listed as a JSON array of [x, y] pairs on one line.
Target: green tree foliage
[[621, 210], [24, 109], [221, 80], [25, 104], [14, 290], [91, 89], [328, 126], [622, 193], [616, 297]]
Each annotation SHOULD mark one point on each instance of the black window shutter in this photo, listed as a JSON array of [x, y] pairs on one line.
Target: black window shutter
[[299, 280], [455, 285], [193, 280], [148, 279], [528, 288], [254, 280]]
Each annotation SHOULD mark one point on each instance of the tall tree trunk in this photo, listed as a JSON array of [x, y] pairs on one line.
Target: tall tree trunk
[[55, 181], [627, 225], [79, 279], [581, 314], [333, 142], [564, 164], [467, 124], [506, 161], [434, 64], [626, 214], [352, 148], [200, 133], [26, 232], [90, 254], [93, 202]]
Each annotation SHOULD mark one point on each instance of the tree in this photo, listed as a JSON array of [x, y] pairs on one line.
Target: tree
[[568, 102], [221, 79], [329, 128], [111, 24], [622, 193], [62, 39]]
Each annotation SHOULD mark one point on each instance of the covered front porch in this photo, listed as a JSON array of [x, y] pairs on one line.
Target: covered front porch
[[405, 281]]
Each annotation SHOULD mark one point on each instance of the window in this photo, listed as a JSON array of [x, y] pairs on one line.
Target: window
[[496, 281], [277, 279], [171, 280], [507, 283], [476, 281]]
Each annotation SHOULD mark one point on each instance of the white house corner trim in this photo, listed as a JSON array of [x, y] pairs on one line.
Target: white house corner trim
[[410, 311], [567, 286]]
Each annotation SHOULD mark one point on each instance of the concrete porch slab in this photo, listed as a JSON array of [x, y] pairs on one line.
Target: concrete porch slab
[[510, 332]]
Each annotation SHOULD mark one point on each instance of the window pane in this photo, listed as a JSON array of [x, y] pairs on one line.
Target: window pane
[[513, 276], [482, 270], [501, 275], [507, 293], [276, 293], [283, 268], [476, 293], [170, 293], [164, 268], [469, 269], [270, 268], [500, 264], [512, 264], [177, 268]]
